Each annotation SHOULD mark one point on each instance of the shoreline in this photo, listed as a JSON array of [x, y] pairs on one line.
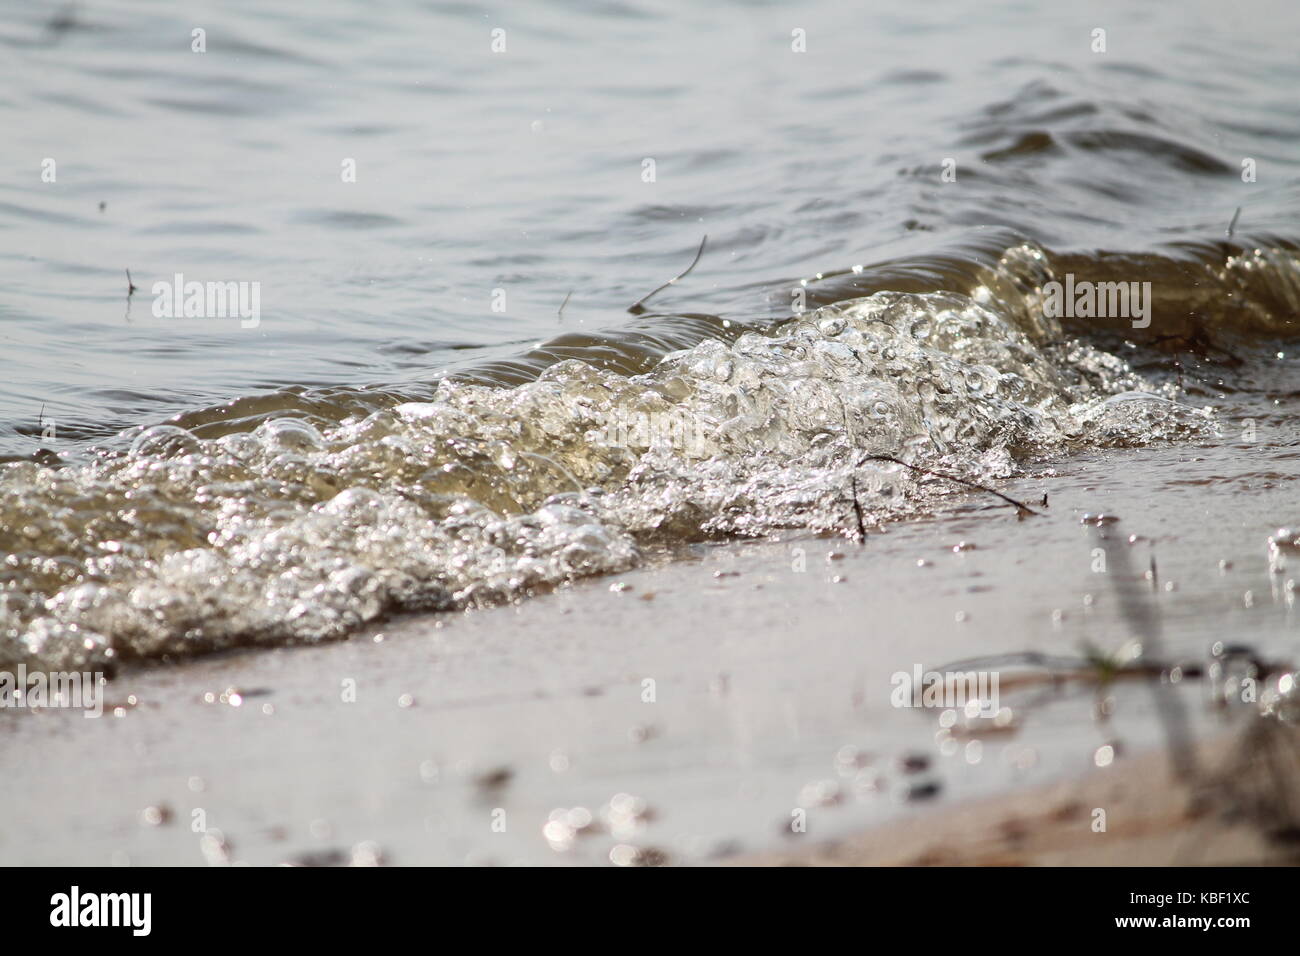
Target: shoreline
[[679, 713]]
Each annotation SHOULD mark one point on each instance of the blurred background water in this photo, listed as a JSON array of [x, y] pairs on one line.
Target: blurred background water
[[522, 170]]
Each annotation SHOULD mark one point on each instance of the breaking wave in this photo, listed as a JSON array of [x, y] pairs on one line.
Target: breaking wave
[[299, 516]]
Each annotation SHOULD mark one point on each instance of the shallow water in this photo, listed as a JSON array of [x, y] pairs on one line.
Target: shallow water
[[772, 664], [516, 178], [522, 171]]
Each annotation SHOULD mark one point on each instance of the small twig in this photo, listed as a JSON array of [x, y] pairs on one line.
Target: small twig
[[1232, 225], [857, 510], [1050, 662], [1022, 509], [639, 306], [1094, 667], [130, 286], [563, 304], [853, 478]]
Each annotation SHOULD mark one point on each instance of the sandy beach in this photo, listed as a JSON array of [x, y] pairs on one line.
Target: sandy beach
[[688, 712]]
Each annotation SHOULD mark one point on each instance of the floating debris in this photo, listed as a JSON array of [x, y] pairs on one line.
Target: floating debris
[[564, 826], [494, 779], [330, 857], [215, 848], [1099, 519], [627, 855], [1282, 543], [821, 793], [1281, 699], [1105, 755], [638, 307], [922, 790], [971, 721], [367, 853], [913, 763], [625, 815], [1233, 673], [156, 816], [1285, 539], [1232, 226]]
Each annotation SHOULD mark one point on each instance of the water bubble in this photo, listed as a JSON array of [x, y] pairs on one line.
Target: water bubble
[[353, 501], [164, 441], [290, 434], [833, 326]]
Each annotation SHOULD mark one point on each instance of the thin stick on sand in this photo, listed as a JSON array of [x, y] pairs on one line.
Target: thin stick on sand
[[1022, 509], [857, 510]]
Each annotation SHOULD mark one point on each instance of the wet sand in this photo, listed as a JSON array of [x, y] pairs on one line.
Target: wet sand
[[1152, 817], [454, 739]]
